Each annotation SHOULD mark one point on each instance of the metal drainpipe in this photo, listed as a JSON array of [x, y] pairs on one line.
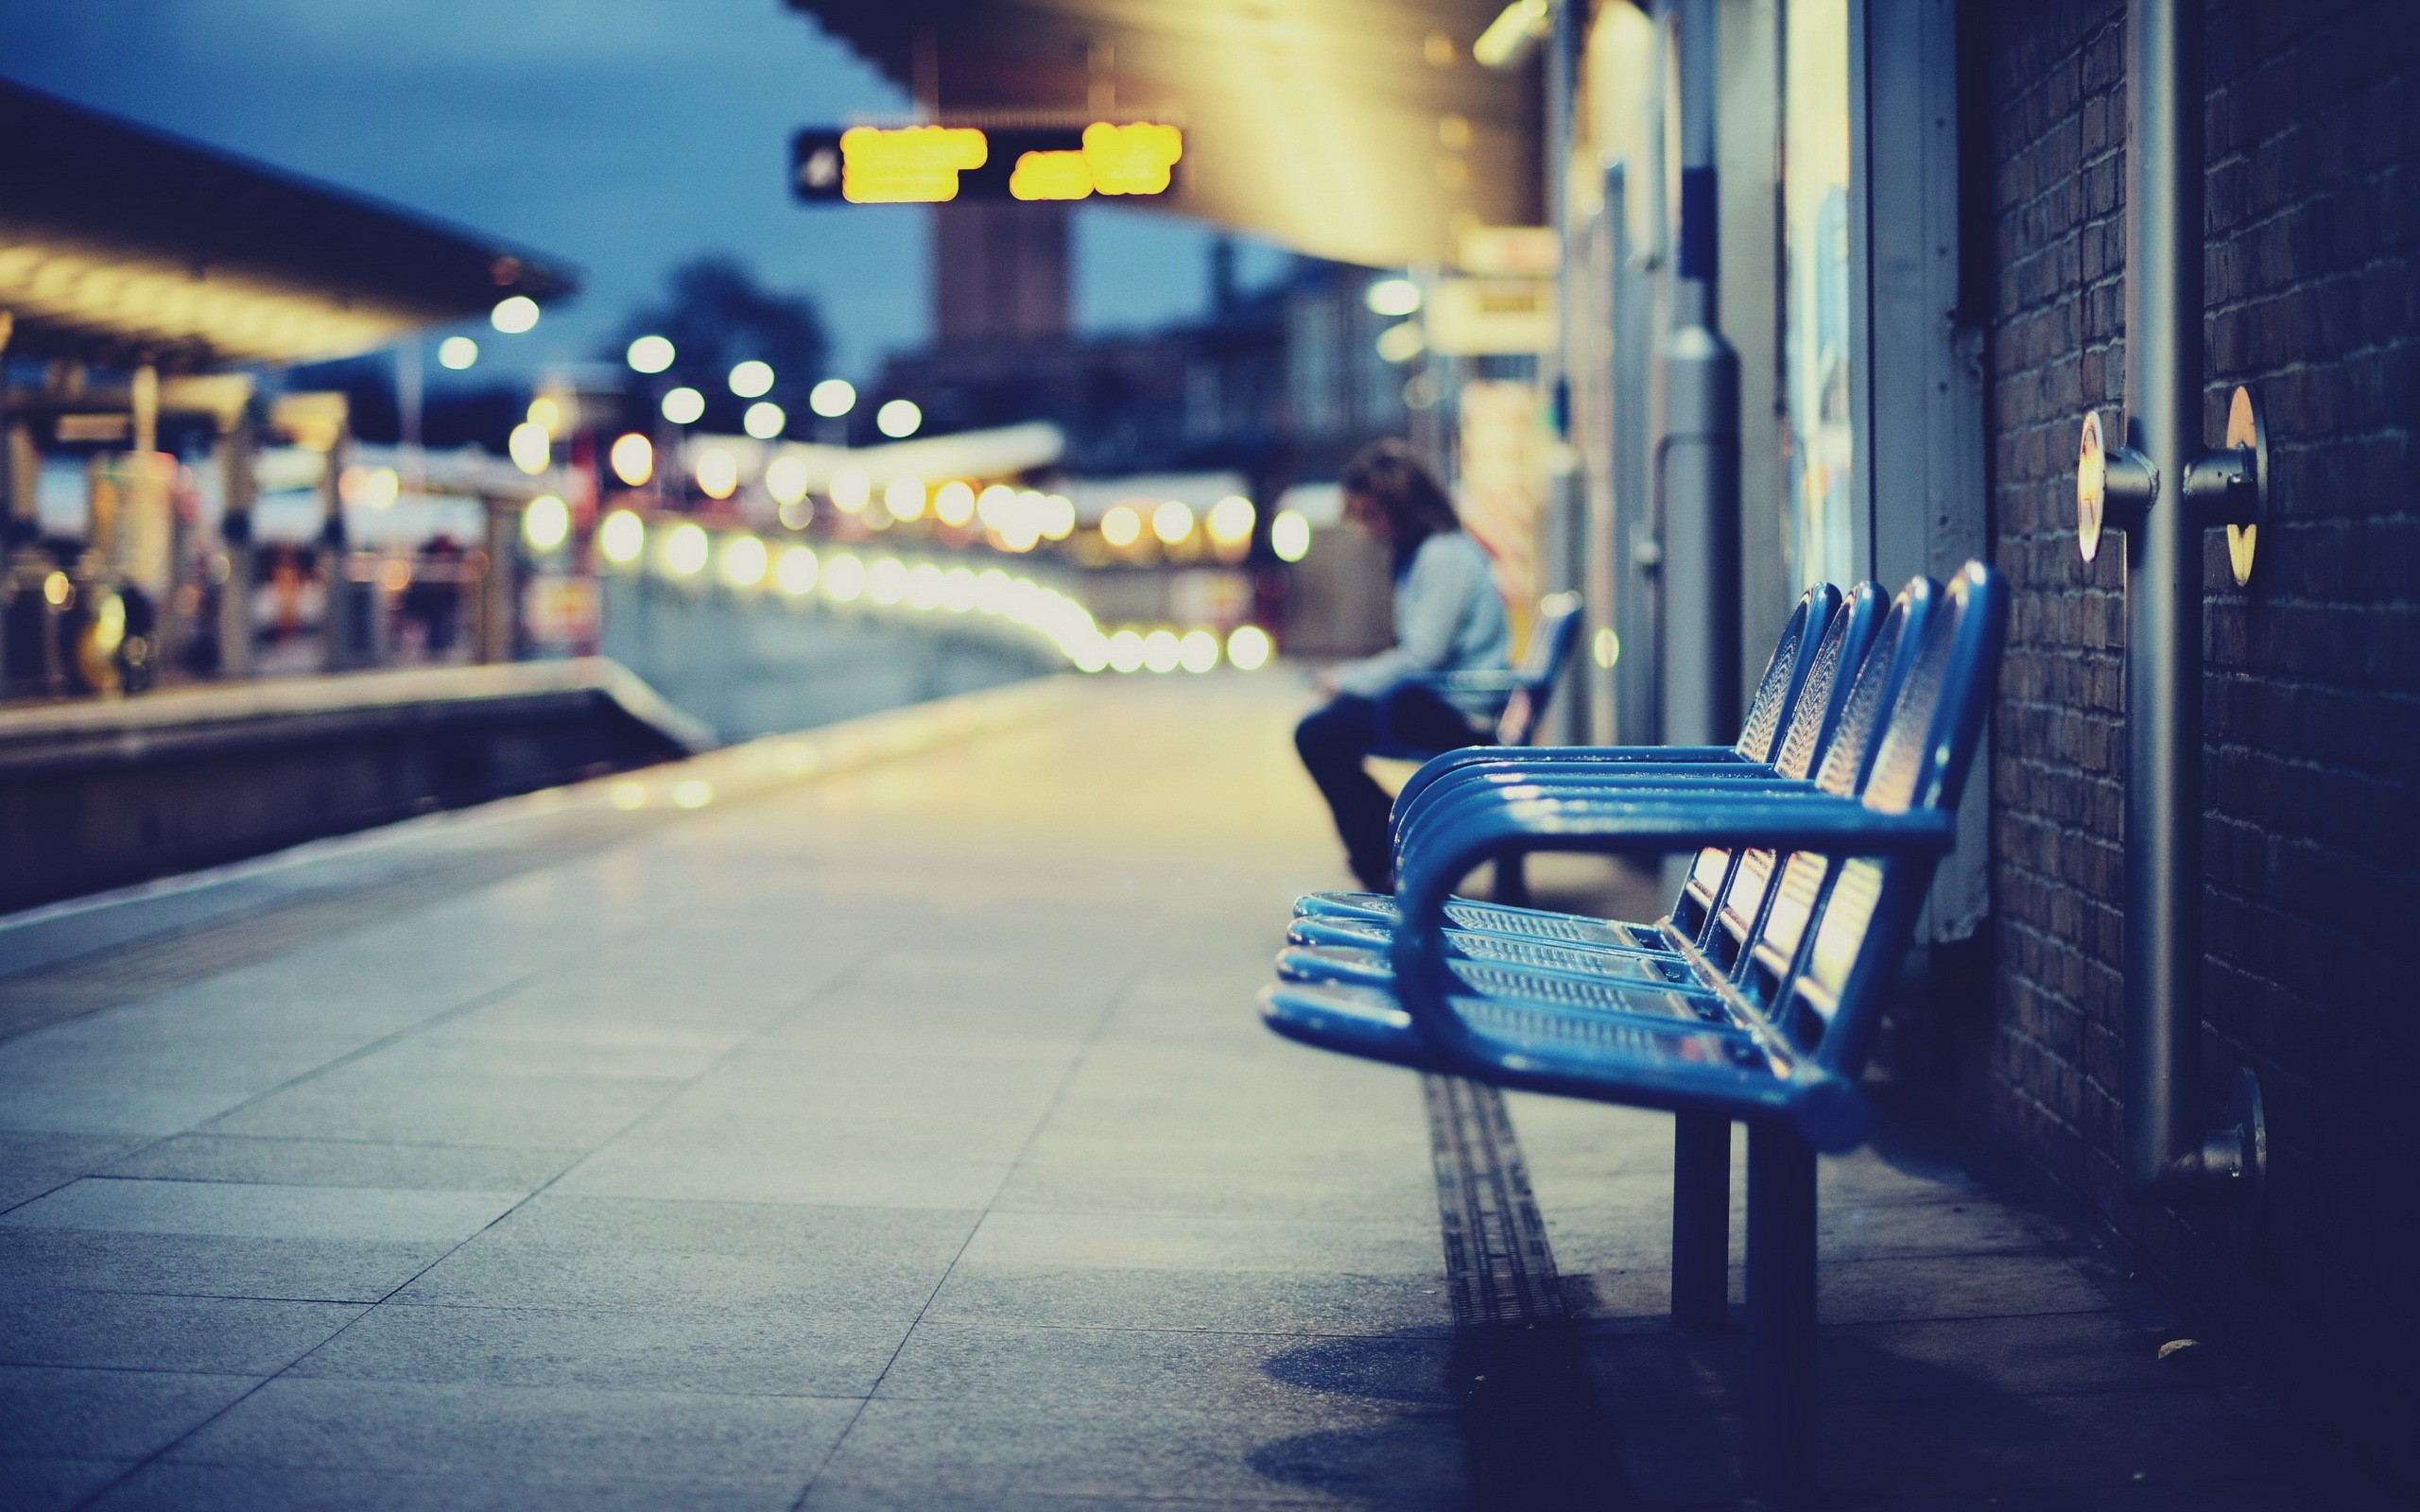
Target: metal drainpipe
[[1697, 467], [1699, 450], [2170, 1156]]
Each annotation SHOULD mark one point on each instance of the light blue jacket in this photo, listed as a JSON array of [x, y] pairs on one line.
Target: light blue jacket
[[1448, 618]]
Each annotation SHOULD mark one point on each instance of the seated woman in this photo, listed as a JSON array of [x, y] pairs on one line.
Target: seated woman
[[1448, 618]]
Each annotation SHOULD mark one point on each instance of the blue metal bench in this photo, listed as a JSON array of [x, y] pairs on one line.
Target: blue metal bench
[[1786, 672], [1335, 947], [1792, 1023]]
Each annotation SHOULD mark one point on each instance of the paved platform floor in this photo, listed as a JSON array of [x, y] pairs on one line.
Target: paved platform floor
[[902, 1136]]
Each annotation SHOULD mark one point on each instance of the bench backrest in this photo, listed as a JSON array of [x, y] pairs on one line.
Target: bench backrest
[[1552, 636], [1835, 929], [1731, 892], [1786, 672]]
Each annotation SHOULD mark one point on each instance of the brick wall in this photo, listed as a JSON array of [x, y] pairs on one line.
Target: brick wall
[[2312, 680]]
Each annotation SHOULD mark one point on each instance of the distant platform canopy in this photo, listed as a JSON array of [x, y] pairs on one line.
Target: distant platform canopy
[[1360, 130], [122, 244]]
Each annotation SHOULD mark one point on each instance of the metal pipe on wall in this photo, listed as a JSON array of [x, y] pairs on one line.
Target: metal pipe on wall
[[1698, 452], [2170, 1154]]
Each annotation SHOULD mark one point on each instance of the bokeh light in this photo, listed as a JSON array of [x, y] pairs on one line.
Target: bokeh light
[[904, 498], [851, 489], [1121, 527], [1289, 535], [514, 314], [796, 570], [752, 379], [633, 458], [1248, 647], [786, 480], [683, 407], [898, 419], [528, 448], [833, 398], [743, 561], [686, 549], [1197, 651], [455, 354], [620, 537], [544, 523], [650, 355], [763, 419], [954, 503], [717, 474]]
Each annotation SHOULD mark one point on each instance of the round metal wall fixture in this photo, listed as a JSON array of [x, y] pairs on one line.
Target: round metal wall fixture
[[2248, 432], [2092, 486]]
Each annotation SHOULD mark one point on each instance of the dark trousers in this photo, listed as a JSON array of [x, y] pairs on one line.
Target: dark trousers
[[1333, 741]]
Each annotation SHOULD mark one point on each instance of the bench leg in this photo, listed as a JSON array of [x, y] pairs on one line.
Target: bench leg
[[1700, 1222], [1781, 1315]]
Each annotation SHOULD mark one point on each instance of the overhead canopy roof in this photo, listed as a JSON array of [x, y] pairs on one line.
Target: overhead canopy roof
[[1356, 130], [118, 242]]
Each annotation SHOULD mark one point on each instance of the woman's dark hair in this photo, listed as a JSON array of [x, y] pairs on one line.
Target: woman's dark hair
[[1391, 475]]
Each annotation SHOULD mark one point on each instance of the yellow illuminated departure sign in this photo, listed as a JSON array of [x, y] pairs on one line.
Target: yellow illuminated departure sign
[[1132, 160], [1051, 176], [913, 166]]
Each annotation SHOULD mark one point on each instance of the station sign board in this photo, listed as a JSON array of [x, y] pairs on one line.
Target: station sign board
[[934, 164]]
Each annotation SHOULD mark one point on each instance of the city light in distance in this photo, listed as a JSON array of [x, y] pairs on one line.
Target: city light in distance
[[1248, 647], [1050, 175], [1197, 650], [544, 523], [547, 415], [924, 585], [904, 498], [1289, 535], [795, 571], [514, 315], [995, 506], [887, 581], [1392, 296], [743, 561], [1608, 647], [1161, 651], [1020, 526], [752, 379], [1126, 652], [717, 474], [763, 419], [650, 355], [844, 580], [685, 550], [683, 405], [457, 353], [958, 590], [1230, 520], [621, 537], [1058, 517], [851, 489], [528, 448], [1172, 521], [1401, 343], [632, 458], [833, 398], [369, 487], [786, 480], [898, 419], [954, 503], [1121, 527]]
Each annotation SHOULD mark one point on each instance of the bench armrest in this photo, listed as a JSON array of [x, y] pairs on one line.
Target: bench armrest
[[1437, 767]]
